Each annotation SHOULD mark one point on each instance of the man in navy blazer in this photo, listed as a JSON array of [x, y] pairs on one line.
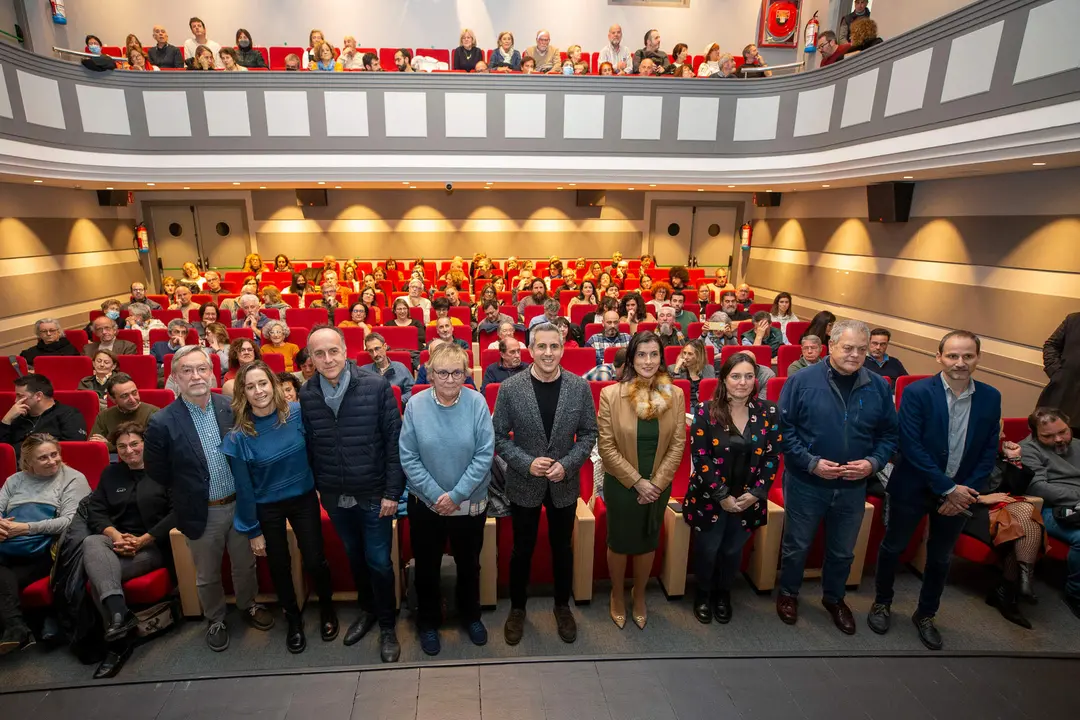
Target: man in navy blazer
[[183, 454], [949, 428]]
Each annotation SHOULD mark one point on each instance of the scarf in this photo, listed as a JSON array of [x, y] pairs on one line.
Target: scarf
[[503, 56], [334, 395], [651, 397]]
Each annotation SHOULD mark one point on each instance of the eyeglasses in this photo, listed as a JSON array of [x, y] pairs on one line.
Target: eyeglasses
[[189, 371], [447, 374]]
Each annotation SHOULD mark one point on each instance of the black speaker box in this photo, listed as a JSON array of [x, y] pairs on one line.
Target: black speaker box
[[767, 199], [311, 198], [889, 202], [591, 198], [112, 198]]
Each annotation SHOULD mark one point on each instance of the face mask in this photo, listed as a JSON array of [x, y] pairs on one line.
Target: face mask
[[567, 70], [95, 49], [245, 44], [113, 314]]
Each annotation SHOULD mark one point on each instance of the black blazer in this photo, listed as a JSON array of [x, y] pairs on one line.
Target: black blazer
[[174, 457], [115, 492]]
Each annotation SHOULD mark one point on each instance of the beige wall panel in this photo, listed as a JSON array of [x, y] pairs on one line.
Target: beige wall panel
[[28, 201], [31, 237], [37, 293]]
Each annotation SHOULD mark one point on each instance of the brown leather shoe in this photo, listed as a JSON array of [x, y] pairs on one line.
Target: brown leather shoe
[[841, 615], [564, 621], [515, 627], [787, 607]]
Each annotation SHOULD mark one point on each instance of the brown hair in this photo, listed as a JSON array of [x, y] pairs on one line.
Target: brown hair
[[234, 352], [719, 413], [128, 428], [245, 421], [862, 30], [31, 443]]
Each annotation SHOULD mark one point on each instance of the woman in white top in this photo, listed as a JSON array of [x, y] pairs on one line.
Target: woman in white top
[[416, 298], [711, 66], [350, 58], [781, 312]]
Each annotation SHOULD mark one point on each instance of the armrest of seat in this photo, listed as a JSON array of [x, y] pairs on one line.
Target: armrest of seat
[[489, 565], [765, 556], [855, 576], [676, 553], [584, 544], [395, 558], [185, 574]]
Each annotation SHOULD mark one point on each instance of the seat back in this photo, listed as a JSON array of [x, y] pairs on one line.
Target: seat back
[[596, 387], [902, 382], [762, 353], [398, 338], [64, 371], [796, 328], [774, 387], [77, 338], [157, 398], [7, 463], [785, 356], [1015, 429], [85, 401], [142, 369], [578, 360], [491, 394], [488, 357], [9, 373], [133, 336], [274, 361], [307, 317], [89, 458]]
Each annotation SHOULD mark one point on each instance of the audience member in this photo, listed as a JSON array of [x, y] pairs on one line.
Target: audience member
[[139, 318], [444, 332], [1061, 363], [509, 363], [242, 351], [719, 332], [168, 287], [633, 310], [441, 307], [403, 60], [681, 55], [137, 60], [505, 58], [402, 318], [290, 386], [682, 316], [830, 50], [668, 334], [322, 57], [729, 305], [274, 334], [952, 467], [811, 354], [878, 360], [728, 68], [586, 295], [743, 296], [543, 471], [466, 54], [352, 424], [828, 454], [182, 301], [203, 60], [608, 371], [711, 65], [248, 57], [36, 505], [298, 287], [51, 341], [551, 311], [35, 411], [1053, 454], [394, 372], [138, 295], [199, 39], [292, 62], [568, 334], [781, 312], [358, 316], [492, 319], [821, 325], [231, 60], [315, 37], [864, 35], [105, 364], [504, 330], [652, 51], [218, 341], [105, 333], [763, 333], [191, 278], [128, 408], [543, 53], [371, 62], [752, 59], [162, 54], [616, 54], [610, 336], [350, 58], [447, 447], [693, 365], [208, 315], [860, 9], [305, 366], [213, 287], [537, 295], [253, 317], [178, 331], [720, 284]]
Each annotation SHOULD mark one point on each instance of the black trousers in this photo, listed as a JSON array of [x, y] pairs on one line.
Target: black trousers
[[429, 532], [526, 522], [15, 574], [304, 515]]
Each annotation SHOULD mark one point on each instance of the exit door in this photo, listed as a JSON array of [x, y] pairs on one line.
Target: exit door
[[211, 236], [704, 232]]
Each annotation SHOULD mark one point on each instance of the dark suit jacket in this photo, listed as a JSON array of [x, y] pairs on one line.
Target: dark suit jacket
[[120, 347], [174, 457], [924, 441]]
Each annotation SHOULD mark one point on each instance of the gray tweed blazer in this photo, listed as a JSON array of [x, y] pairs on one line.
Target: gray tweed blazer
[[572, 438]]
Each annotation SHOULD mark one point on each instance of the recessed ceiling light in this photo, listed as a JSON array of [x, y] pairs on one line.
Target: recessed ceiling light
[[909, 177], [404, 182], [187, 188], [559, 188], [487, 188], [768, 191], [149, 184], [111, 188], [489, 183], [337, 187], [573, 184], [39, 181], [412, 187], [652, 186], [321, 182], [262, 187], [701, 189], [236, 183], [629, 188], [1040, 164], [826, 186]]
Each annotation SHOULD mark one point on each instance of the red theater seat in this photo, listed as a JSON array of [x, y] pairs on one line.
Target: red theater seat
[[785, 356], [796, 328], [398, 338], [1015, 429], [275, 362], [89, 458], [308, 317], [277, 61], [491, 394], [9, 373], [773, 389], [157, 398], [77, 338], [64, 371], [902, 382], [143, 370], [85, 401], [762, 353], [243, 332], [579, 360], [596, 386], [298, 336], [132, 336]]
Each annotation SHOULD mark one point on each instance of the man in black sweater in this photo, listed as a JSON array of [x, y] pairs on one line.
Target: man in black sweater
[[163, 54], [878, 360], [35, 411]]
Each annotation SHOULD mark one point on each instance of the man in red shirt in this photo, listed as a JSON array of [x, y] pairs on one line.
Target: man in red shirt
[[830, 51]]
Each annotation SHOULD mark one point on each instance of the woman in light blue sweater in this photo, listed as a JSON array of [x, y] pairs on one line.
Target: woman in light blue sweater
[[267, 452], [447, 444]]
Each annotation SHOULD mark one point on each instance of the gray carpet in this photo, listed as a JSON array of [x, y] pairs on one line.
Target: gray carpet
[[966, 622]]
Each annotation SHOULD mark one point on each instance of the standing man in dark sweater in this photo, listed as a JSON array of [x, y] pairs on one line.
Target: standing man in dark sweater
[[839, 426], [859, 11], [878, 360], [35, 411]]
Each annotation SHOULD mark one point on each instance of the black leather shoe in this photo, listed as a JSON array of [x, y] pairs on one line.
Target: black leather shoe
[[295, 642], [1003, 597], [389, 648], [928, 632], [721, 608], [328, 623], [113, 662], [841, 616], [702, 612], [120, 626], [361, 627], [879, 618]]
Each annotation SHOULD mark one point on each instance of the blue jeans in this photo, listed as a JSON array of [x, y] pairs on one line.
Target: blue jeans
[[805, 506], [718, 553], [367, 539], [901, 520], [1072, 560]]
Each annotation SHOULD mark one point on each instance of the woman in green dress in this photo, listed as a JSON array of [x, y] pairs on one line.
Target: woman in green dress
[[642, 436]]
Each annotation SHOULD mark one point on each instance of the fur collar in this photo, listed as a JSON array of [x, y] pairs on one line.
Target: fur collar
[[651, 398]]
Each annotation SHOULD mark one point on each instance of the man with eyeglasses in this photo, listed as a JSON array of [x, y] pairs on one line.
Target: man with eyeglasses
[[830, 50], [395, 373], [138, 295], [352, 423], [51, 341], [104, 329], [183, 453], [509, 363]]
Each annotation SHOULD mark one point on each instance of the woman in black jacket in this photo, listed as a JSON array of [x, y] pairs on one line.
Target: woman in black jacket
[[130, 516], [246, 54]]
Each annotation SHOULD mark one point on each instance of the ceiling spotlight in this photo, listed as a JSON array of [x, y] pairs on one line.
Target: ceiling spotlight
[[111, 188], [489, 183], [731, 186], [337, 187], [39, 181], [826, 186], [573, 184], [701, 189], [149, 184], [322, 182], [1039, 164], [187, 188], [404, 182], [261, 187], [235, 183], [559, 188], [652, 186], [909, 177], [412, 187], [629, 188]]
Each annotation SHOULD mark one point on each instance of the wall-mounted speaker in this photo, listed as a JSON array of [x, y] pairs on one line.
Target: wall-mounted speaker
[[889, 202], [112, 198], [767, 199], [311, 198], [591, 198]]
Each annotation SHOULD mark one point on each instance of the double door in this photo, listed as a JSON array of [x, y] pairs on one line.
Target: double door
[[209, 235], [681, 232]]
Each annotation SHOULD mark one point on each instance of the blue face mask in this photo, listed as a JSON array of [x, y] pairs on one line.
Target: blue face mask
[[567, 70], [113, 314], [95, 49]]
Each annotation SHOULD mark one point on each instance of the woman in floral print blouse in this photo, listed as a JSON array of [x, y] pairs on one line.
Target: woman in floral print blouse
[[734, 453]]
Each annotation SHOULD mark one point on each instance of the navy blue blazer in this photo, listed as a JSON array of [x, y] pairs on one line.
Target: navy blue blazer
[[924, 441], [174, 457]]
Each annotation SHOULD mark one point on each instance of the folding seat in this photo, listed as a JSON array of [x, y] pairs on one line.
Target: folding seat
[[9, 372], [142, 369], [386, 59], [85, 401], [508, 309], [795, 330], [167, 316], [902, 382], [89, 458], [773, 389], [762, 353], [694, 332], [578, 360], [77, 338], [398, 338], [461, 312], [244, 332], [785, 356], [309, 317], [578, 313], [354, 340], [491, 394], [532, 311], [275, 361], [7, 463], [298, 335], [759, 307], [1015, 429], [157, 398], [64, 371]]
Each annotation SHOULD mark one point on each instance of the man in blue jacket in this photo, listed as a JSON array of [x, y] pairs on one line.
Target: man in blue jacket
[[839, 427], [352, 423], [949, 427]]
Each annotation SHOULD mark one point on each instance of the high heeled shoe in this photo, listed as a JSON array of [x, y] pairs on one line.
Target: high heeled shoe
[[619, 620], [639, 620]]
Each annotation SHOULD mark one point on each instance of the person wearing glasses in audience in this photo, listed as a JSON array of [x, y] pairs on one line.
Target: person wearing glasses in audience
[[642, 426], [267, 451], [447, 446], [734, 455], [51, 341], [275, 333], [692, 365]]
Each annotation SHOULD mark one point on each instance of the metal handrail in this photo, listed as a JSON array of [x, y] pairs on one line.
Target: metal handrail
[[78, 53], [744, 69]]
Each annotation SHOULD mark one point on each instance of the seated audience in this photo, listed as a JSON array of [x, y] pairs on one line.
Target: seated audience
[[275, 333], [820, 325], [200, 40], [298, 287], [543, 53], [509, 363], [586, 295], [859, 10], [609, 336], [104, 330], [217, 340], [444, 330], [1053, 455], [51, 341], [681, 53], [753, 59], [290, 386], [178, 330], [682, 316], [538, 294], [213, 287], [743, 296], [720, 284], [492, 318], [271, 300], [1061, 363], [648, 68], [322, 57], [315, 37], [242, 352], [292, 62], [693, 365], [878, 360], [162, 54], [711, 66], [138, 295], [781, 312], [864, 35], [719, 332], [253, 316], [570, 337], [394, 372], [168, 288], [441, 308], [466, 55], [358, 315], [105, 365], [608, 371], [248, 57], [504, 58], [416, 298], [139, 318], [371, 62], [305, 366], [403, 60], [350, 58], [551, 311], [182, 300], [137, 61], [763, 333], [668, 333], [402, 318], [597, 316], [208, 315], [651, 51], [129, 516], [811, 354], [505, 330], [661, 295], [191, 278], [128, 408], [618, 57], [728, 69], [634, 310], [678, 277], [36, 503], [203, 60], [830, 50]]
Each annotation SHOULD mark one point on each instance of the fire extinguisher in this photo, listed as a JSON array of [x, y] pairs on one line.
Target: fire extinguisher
[[142, 238], [746, 234], [812, 33], [59, 14]]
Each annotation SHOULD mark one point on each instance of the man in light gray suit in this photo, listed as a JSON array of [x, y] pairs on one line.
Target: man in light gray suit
[[552, 420]]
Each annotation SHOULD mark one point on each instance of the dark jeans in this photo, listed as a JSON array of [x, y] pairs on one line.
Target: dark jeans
[[15, 574], [805, 506], [302, 512], [1071, 537], [718, 552], [367, 539], [526, 523], [429, 532], [901, 520]]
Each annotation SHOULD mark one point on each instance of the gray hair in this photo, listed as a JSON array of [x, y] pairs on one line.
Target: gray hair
[[188, 350], [240, 300], [543, 327], [720, 317], [140, 309], [856, 326], [272, 324], [812, 339], [374, 336], [505, 325], [551, 305], [178, 323], [44, 321]]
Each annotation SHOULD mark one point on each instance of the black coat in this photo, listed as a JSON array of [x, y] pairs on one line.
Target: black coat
[[117, 489], [61, 421], [1061, 361], [62, 346], [356, 452], [174, 457]]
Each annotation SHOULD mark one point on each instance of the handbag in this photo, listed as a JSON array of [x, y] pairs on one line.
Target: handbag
[[1067, 517], [157, 618]]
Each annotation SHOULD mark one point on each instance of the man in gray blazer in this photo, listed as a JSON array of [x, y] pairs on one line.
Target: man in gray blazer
[[545, 428]]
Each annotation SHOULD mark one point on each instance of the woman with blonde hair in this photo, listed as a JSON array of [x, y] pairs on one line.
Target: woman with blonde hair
[[203, 60], [272, 299], [253, 264], [504, 58], [711, 66], [168, 288], [692, 365], [267, 451], [466, 54], [105, 365]]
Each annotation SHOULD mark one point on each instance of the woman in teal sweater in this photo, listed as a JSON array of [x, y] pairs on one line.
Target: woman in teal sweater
[[447, 444], [267, 453]]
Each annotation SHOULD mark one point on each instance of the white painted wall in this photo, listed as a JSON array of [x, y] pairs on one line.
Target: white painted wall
[[427, 23]]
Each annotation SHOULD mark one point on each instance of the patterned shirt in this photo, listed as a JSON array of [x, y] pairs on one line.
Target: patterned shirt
[[221, 478], [601, 342], [601, 373]]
